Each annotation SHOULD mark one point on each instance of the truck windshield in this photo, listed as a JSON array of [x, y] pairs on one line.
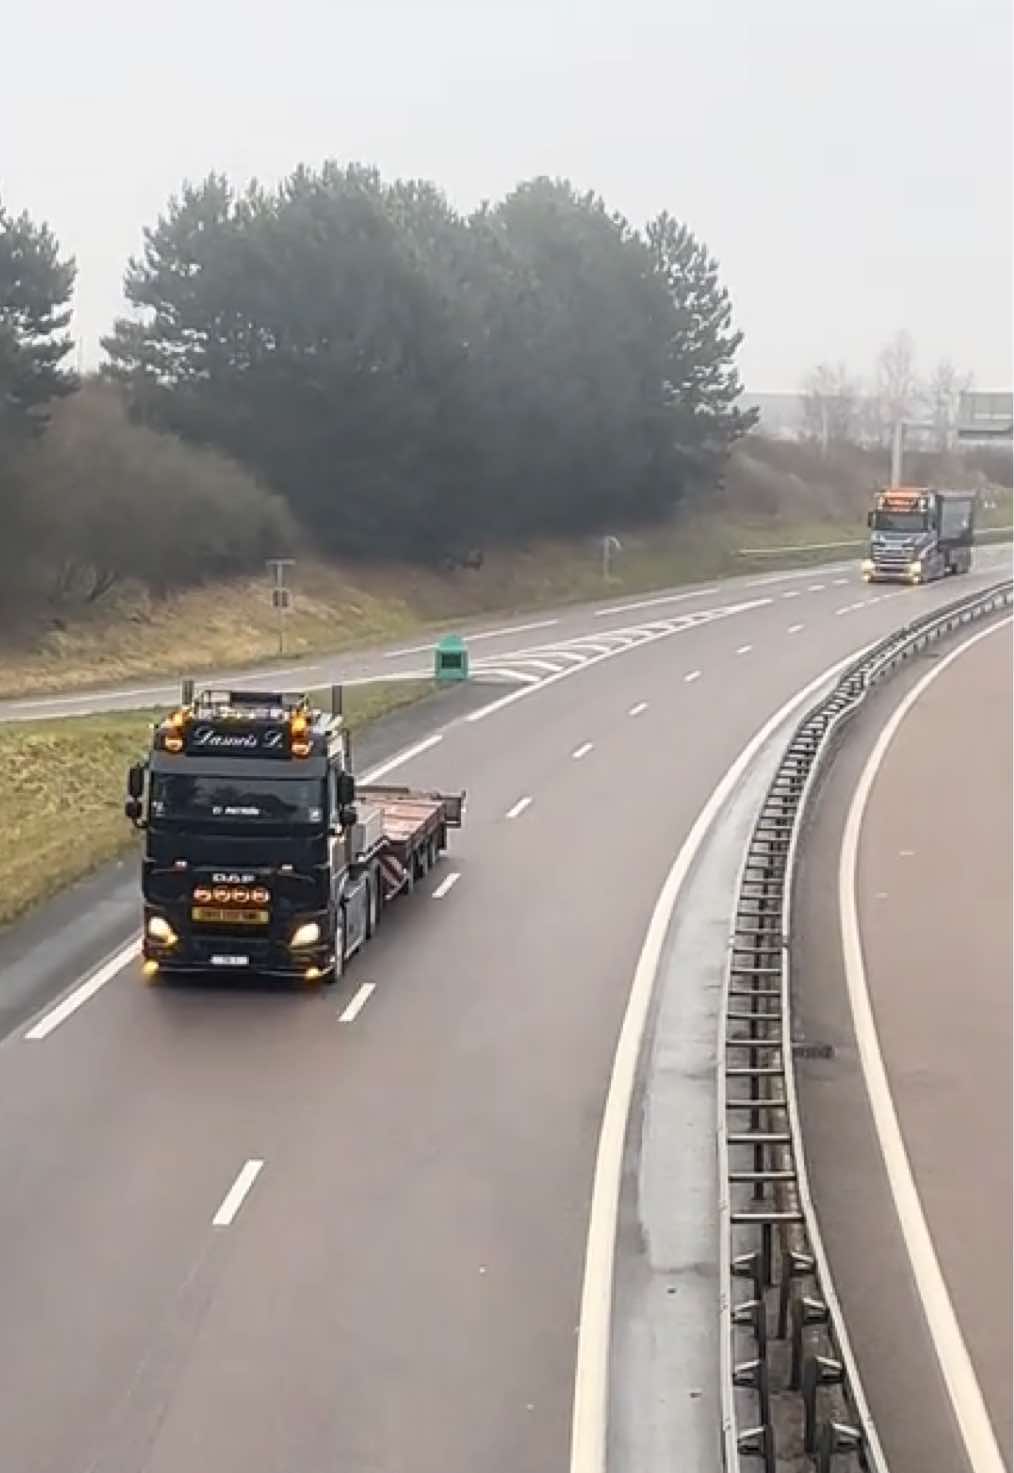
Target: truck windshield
[[182, 798], [900, 521]]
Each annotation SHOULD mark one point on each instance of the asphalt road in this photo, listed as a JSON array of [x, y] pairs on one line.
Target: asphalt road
[[396, 1286], [933, 892], [514, 650]]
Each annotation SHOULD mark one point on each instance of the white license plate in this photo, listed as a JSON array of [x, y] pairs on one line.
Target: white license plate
[[230, 961]]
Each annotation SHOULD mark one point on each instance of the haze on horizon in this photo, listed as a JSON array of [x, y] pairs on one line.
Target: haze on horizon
[[849, 166]]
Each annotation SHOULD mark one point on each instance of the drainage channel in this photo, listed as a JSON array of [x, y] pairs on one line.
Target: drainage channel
[[790, 1391]]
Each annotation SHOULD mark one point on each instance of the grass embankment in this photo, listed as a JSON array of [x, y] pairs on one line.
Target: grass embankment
[[133, 637], [776, 495], [61, 799]]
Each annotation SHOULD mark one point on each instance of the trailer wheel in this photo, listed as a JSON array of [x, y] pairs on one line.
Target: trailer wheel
[[433, 850]]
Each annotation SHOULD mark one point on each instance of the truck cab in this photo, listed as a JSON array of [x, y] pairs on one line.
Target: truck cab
[[261, 852], [918, 533], [246, 803]]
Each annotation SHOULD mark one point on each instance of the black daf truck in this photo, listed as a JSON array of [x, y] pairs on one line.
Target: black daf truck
[[261, 852]]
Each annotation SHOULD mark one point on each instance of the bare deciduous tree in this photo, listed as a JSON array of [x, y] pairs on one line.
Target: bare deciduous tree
[[946, 384], [831, 403], [898, 389]]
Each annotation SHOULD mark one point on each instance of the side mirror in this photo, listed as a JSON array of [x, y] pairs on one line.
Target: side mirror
[[346, 789], [870, 516], [132, 808], [348, 817], [135, 781]]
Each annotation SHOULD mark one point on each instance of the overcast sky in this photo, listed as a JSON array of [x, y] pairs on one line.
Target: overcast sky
[[848, 161]]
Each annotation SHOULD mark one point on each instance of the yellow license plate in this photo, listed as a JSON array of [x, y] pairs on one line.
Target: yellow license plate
[[224, 916]]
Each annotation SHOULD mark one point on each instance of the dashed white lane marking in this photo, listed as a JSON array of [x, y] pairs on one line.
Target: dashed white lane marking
[[636, 710], [945, 1330], [650, 603], [422, 649], [795, 628], [792, 593], [744, 649], [519, 807], [446, 885], [816, 588], [691, 676], [86, 990], [582, 751], [235, 1196], [358, 1002], [665, 629], [840, 582]]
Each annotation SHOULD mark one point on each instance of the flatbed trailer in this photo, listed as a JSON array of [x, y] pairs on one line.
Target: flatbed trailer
[[414, 826], [262, 853]]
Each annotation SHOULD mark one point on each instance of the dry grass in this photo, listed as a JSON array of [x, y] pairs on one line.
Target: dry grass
[[775, 495], [61, 801], [335, 608]]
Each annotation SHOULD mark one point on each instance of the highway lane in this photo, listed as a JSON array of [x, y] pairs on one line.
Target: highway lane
[[493, 644], [933, 906], [399, 1289]]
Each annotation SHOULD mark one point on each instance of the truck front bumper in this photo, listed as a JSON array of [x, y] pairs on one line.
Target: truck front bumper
[[202, 955]]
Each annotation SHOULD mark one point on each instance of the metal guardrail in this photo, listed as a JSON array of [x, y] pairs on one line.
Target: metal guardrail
[[790, 1390]]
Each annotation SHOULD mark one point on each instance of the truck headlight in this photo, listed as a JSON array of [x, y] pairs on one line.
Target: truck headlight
[[916, 567], [160, 930], [306, 934]]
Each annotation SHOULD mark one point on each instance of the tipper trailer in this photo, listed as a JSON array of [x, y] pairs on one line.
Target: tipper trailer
[[261, 852]]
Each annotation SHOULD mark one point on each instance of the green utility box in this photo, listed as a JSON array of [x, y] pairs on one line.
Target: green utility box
[[450, 661]]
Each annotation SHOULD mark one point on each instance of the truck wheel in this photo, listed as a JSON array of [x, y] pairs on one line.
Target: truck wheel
[[433, 851], [337, 972]]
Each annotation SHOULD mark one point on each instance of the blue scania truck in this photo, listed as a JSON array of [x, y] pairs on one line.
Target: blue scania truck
[[918, 534]]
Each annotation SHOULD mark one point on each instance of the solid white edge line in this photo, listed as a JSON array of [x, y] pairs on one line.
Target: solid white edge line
[[422, 649], [582, 751], [405, 756], [591, 1375], [948, 1342], [446, 885], [519, 807], [651, 603], [359, 1000], [235, 1196], [85, 990]]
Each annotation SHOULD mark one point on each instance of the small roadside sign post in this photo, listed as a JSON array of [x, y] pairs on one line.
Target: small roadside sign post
[[281, 595]]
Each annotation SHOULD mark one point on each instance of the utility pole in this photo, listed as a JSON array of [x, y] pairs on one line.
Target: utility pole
[[898, 444], [281, 597]]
